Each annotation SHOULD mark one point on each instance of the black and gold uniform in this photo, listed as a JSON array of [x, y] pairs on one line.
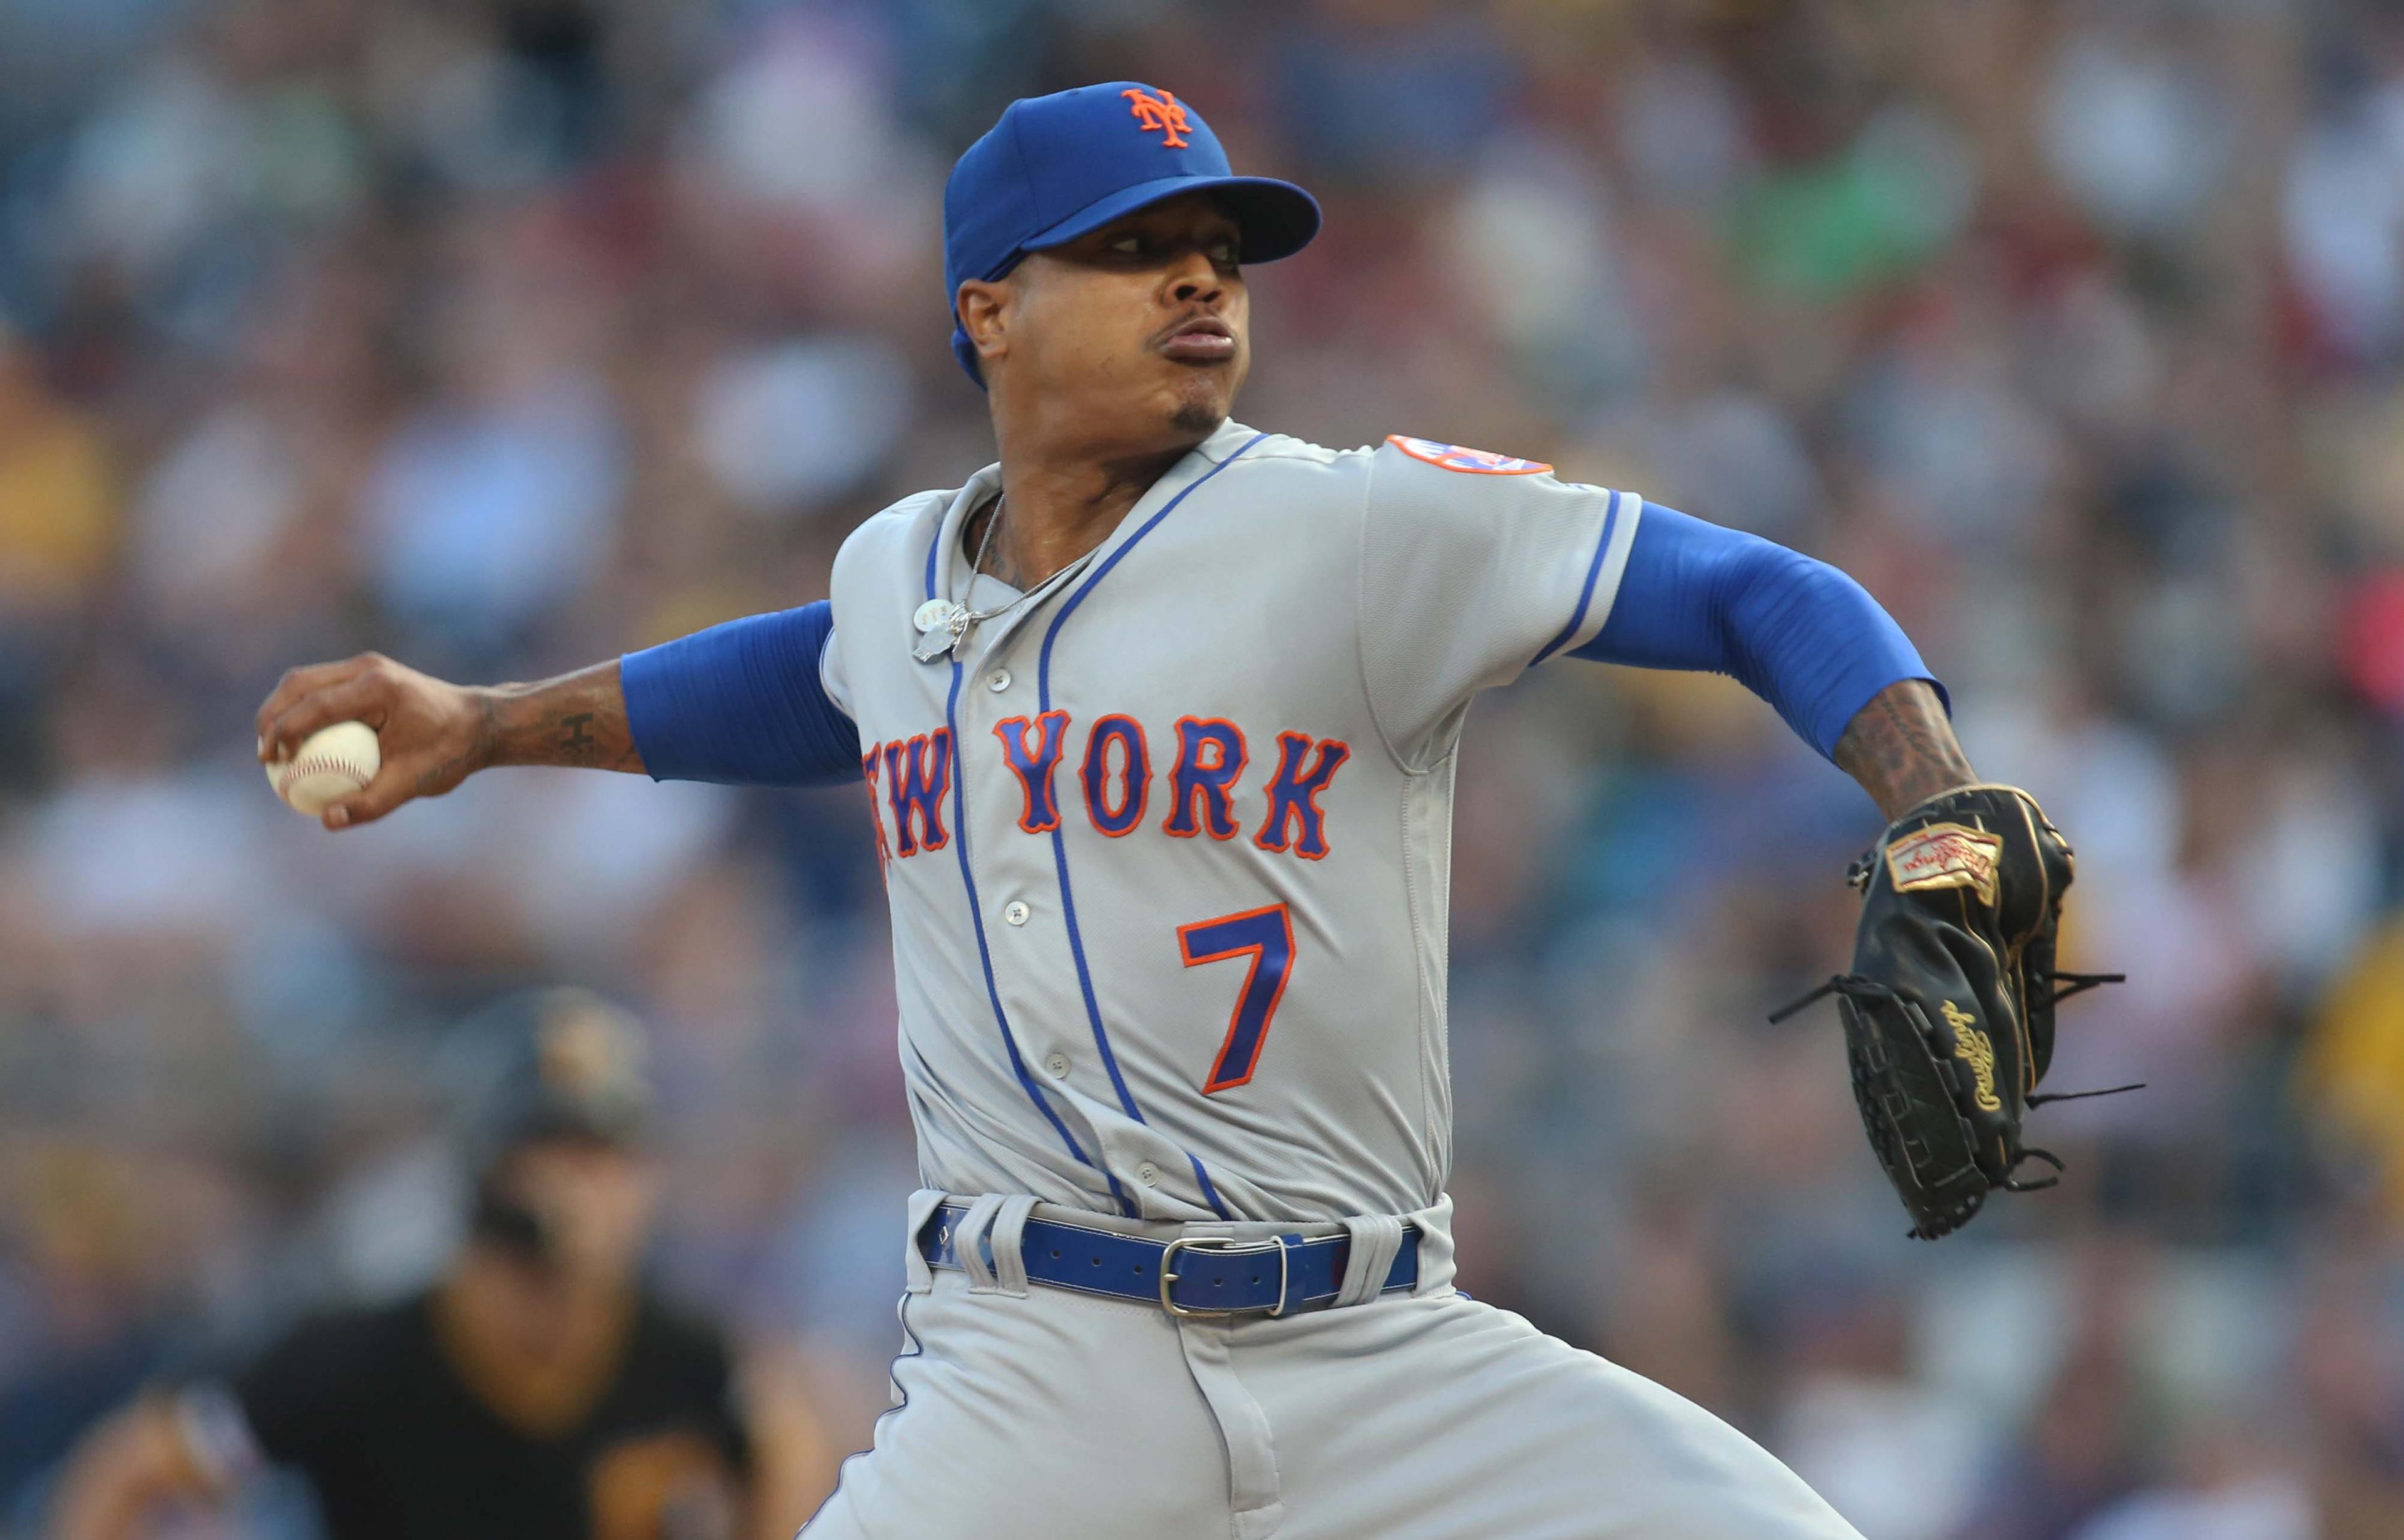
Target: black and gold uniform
[[406, 1435]]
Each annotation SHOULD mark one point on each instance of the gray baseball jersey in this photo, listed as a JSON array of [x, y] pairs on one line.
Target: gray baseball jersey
[[1168, 840]]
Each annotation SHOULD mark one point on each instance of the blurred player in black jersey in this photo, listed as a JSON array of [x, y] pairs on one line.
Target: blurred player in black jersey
[[536, 1390]]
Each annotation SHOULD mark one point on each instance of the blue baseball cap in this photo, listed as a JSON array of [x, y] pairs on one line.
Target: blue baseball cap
[[1056, 167]]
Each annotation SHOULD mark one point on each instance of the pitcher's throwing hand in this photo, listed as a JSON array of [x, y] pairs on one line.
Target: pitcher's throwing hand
[[433, 735]]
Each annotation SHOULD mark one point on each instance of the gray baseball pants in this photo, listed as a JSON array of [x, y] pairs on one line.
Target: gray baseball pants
[[1027, 1412]]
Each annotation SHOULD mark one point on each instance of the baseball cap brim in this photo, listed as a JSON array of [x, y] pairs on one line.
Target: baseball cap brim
[[1277, 218]]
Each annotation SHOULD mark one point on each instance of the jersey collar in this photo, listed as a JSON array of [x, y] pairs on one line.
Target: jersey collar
[[952, 579]]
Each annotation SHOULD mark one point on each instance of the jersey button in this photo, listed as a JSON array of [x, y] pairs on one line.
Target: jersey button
[[1148, 1173], [1057, 1065], [1016, 912], [998, 682]]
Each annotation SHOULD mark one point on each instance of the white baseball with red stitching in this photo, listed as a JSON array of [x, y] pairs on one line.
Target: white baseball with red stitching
[[333, 762]]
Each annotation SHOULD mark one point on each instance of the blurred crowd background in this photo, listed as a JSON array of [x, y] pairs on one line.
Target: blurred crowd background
[[502, 335]]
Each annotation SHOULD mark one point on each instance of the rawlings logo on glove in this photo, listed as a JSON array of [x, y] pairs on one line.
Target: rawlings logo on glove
[[1945, 855], [1975, 1049]]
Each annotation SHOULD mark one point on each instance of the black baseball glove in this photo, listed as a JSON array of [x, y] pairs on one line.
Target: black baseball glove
[[1949, 1009]]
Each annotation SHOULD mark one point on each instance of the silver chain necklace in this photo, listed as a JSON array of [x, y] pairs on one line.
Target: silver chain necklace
[[944, 626]]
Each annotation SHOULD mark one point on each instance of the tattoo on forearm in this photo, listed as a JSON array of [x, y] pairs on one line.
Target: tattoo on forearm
[[576, 745], [594, 737], [575, 719], [1902, 749]]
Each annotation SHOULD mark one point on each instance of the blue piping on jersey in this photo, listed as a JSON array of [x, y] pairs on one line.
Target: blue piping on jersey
[[1209, 1193], [1059, 846], [985, 956], [1585, 596]]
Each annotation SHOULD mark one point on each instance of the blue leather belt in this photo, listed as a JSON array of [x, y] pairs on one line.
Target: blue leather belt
[[1203, 1275]]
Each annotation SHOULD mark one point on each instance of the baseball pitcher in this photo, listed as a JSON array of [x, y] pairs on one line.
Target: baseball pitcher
[[1157, 717]]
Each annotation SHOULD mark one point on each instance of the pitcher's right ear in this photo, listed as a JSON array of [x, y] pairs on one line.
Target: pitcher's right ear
[[984, 308]]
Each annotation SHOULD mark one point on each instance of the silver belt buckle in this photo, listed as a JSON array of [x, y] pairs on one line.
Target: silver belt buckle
[[1219, 1245]]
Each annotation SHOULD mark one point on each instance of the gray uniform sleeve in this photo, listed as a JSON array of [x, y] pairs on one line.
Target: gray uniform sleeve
[[830, 674], [1470, 576]]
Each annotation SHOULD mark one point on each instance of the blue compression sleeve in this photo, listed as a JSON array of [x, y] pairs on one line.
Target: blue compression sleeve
[[740, 703], [1799, 634]]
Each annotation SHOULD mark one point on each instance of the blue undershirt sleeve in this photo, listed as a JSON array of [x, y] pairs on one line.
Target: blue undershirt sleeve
[[1797, 632], [740, 703]]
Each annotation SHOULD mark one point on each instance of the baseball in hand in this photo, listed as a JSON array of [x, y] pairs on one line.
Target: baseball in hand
[[333, 762]]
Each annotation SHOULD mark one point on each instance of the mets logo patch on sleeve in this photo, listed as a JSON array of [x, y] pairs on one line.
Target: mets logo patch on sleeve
[[1478, 462], [1945, 855]]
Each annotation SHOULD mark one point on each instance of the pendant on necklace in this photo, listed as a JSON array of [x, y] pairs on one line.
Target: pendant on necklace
[[941, 625]]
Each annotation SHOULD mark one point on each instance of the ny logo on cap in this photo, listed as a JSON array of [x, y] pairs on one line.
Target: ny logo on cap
[[1160, 115]]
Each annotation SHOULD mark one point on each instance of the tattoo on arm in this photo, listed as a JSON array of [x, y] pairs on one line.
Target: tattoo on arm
[[575, 719], [576, 745], [1902, 749], [451, 772]]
